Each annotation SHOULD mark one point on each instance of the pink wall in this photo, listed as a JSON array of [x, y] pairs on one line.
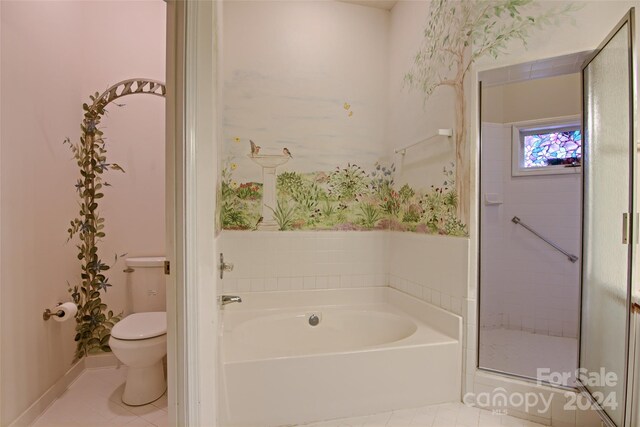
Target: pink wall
[[40, 107], [134, 205], [53, 55]]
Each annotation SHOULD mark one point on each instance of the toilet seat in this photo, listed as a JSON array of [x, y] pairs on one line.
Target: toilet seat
[[141, 326]]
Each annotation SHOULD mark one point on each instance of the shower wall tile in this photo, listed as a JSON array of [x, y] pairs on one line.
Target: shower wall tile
[[570, 329], [445, 302], [271, 284], [541, 326], [456, 305], [515, 322], [555, 328], [269, 261], [433, 296], [528, 323], [309, 282], [432, 268], [426, 294], [257, 285]]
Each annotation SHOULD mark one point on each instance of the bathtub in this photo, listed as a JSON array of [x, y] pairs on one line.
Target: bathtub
[[372, 350]]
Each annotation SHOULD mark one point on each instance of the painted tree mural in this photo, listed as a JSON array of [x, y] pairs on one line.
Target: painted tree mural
[[457, 34]]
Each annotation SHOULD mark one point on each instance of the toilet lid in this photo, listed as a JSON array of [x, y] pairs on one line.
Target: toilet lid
[[140, 326]]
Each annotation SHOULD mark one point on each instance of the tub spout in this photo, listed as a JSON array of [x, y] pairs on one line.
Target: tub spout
[[228, 299]]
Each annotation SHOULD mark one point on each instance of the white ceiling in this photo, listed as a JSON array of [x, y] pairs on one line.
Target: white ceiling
[[566, 64], [379, 4]]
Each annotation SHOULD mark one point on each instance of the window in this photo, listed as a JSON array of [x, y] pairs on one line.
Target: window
[[547, 147]]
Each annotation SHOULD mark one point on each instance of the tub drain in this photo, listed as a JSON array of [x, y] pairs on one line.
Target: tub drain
[[314, 320]]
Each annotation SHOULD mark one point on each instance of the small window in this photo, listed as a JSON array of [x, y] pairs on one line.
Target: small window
[[547, 147]]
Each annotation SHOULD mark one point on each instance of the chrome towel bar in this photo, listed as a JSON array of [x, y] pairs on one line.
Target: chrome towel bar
[[569, 256], [441, 132]]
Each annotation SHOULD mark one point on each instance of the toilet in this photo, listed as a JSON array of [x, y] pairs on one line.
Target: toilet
[[140, 339]]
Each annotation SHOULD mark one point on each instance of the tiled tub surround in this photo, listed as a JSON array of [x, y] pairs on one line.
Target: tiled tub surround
[[338, 368], [430, 268], [296, 260]]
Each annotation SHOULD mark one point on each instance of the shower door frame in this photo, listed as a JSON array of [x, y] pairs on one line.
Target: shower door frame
[[475, 232], [533, 381], [632, 233]]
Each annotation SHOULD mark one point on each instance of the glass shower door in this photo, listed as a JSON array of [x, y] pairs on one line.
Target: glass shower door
[[607, 227]]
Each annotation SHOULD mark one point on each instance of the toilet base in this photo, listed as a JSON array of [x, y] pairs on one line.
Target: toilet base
[[144, 384]]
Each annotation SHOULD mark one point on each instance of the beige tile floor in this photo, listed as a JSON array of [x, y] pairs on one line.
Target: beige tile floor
[[445, 415], [93, 400]]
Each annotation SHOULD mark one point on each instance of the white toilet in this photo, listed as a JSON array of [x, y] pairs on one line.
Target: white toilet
[[140, 339]]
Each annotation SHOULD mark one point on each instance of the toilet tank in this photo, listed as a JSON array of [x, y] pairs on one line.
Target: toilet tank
[[147, 288]]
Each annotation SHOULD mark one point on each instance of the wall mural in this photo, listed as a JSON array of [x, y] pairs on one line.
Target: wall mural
[[313, 161], [457, 34], [349, 197], [94, 320]]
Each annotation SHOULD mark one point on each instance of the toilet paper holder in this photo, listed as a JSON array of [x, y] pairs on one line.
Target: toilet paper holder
[[62, 312], [46, 315]]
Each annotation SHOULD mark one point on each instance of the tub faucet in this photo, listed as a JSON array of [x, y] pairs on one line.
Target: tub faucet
[[228, 299]]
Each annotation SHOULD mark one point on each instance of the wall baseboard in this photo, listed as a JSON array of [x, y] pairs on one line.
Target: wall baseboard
[[48, 397], [102, 360], [94, 361]]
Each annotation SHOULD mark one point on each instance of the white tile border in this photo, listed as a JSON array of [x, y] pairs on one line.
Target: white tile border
[[440, 299], [36, 409]]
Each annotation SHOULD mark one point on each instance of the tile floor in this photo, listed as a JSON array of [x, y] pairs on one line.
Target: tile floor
[[93, 400], [444, 415], [520, 352]]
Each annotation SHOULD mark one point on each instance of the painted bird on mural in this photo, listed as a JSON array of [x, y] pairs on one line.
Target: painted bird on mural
[[286, 152], [258, 222], [255, 149]]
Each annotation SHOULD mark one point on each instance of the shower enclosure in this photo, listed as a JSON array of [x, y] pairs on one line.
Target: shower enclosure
[[608, 200], [558, 224], [530, 224]]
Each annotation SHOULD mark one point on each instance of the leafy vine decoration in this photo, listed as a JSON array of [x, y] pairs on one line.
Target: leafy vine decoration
[[94, 320]]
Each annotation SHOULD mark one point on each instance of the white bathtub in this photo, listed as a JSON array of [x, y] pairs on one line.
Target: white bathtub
[[373, 350]]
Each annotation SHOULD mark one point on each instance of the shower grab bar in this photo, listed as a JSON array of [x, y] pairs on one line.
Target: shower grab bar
[[569, 256]]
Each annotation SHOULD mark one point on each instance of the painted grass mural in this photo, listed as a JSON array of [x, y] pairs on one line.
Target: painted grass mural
[[347, 198]]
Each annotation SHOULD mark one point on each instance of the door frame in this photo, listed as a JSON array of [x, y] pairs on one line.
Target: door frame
[[627, 402], [477, 232], [191, 171], [632, 411], [472, 341]]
